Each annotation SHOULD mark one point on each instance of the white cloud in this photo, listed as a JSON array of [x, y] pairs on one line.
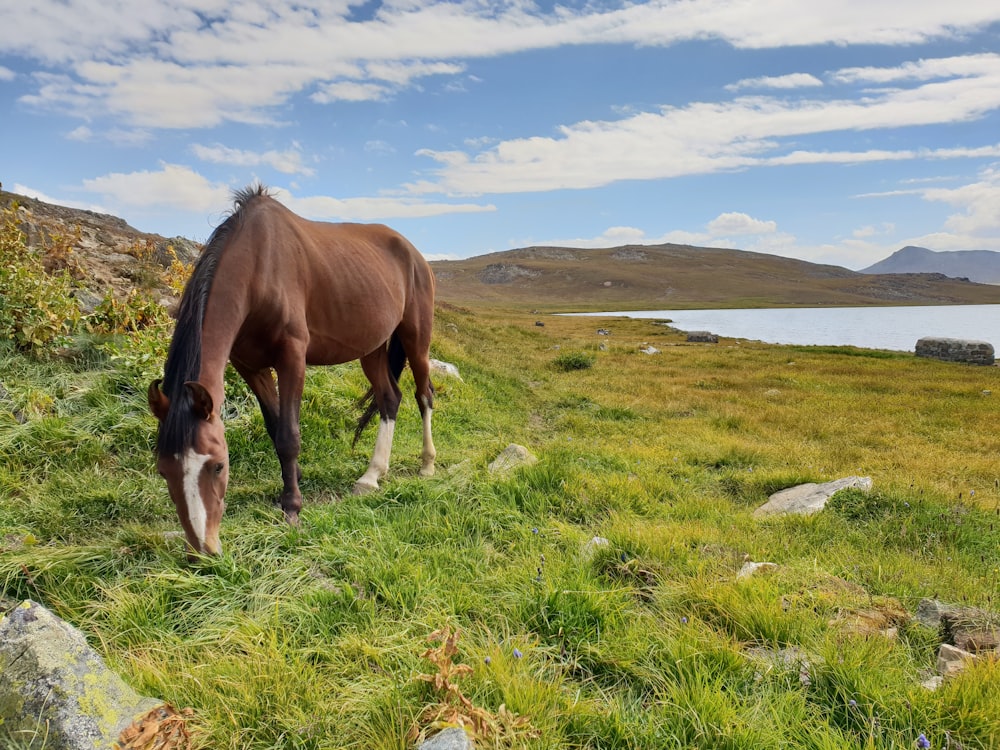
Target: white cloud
[[979, 204], [791, 81], [30, 192], [288, 161], [195, 63], [705, 137], [350, 91], [976, 223], [176, 186], [379, 147], [82, 133], [327, 208], [173, 186], [6, 74], [739, 224]]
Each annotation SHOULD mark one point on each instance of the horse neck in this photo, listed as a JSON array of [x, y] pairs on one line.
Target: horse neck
[[219, 330]]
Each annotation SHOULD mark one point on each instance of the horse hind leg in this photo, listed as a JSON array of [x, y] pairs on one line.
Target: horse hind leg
[[387, 397], [420, 366]]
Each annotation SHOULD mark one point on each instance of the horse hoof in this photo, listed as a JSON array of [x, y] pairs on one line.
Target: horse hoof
[[363, 488], [292, 517], [427, 471]]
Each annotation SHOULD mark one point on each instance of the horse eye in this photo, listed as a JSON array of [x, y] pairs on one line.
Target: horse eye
[[218, 469]]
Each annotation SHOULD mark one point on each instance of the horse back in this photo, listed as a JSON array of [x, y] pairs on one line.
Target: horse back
[[343, 288]]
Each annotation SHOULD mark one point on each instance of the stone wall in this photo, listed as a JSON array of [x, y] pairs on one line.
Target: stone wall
[[956, 350]]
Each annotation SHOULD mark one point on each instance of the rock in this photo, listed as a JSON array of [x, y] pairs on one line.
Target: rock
[[511, 458], [783, 659], [19, 416], [649, 349], [883, 618], [806, 499], [969, 628], [928, 613], [593, 545], [752, 568], [50, 677], [956, 350], [452, 738], [932, 683], [702, 337], [603, 332], [505, 273], [952, 660], [445, 368]]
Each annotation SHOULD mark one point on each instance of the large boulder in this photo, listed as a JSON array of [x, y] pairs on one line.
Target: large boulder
[[50, 677], [955, 350], [805, 499]]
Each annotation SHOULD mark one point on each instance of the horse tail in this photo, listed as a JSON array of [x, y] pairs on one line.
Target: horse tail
[[396, 363]]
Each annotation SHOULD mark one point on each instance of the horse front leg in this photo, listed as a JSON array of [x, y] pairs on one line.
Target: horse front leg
[[287, 442]]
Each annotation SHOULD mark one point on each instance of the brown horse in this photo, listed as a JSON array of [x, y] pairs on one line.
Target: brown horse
[[272, 290]]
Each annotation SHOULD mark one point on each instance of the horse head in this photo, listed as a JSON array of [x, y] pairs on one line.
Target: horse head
[[197, 467]]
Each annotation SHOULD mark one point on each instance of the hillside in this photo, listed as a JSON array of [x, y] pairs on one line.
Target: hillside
[[108, 253], [665, 276], [101, 251], [982, 266]]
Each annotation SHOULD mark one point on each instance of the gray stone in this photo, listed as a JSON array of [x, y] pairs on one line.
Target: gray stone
[[952, 660], [932, 683], [956, 350], [511, 458], [445, 368], [783, 660], [752, 568], [969, 628], [593, 545], [649, 349], [806, 499], [702, 337], [453, 738], [50, 677], [929, 613]]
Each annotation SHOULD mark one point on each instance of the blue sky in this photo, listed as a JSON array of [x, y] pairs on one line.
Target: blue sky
[[836, 134]]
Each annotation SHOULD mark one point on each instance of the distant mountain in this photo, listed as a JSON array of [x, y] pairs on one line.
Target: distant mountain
[[655, 277], [982, 266]]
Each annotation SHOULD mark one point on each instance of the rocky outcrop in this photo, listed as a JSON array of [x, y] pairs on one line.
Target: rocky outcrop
[[50, 677], [505, 273], [103, 252], [956, 350]]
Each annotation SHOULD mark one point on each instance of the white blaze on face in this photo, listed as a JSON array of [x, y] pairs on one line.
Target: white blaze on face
[[193, 463]]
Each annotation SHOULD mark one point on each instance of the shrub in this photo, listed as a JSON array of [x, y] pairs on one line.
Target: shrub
[[574, 361], [134, 312], [37, 309]]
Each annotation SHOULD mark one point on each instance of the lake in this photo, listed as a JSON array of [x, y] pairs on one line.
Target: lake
[[895, 328]]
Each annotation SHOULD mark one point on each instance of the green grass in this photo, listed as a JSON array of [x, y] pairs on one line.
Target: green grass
[[312, 637]]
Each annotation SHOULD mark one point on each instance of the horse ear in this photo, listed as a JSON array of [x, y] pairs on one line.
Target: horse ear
[[158, 403], [201, 399]]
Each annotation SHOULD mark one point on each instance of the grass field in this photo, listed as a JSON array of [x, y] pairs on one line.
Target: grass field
[[317, 637]]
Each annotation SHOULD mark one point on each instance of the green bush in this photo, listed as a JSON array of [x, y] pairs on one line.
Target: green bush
[[37, 309], [574, 361]]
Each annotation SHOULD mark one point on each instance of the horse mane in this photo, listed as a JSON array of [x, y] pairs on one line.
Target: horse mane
[[184, 356]]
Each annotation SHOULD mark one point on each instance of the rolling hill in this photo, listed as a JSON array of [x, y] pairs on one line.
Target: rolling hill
[[677, 276], [550, 278]]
